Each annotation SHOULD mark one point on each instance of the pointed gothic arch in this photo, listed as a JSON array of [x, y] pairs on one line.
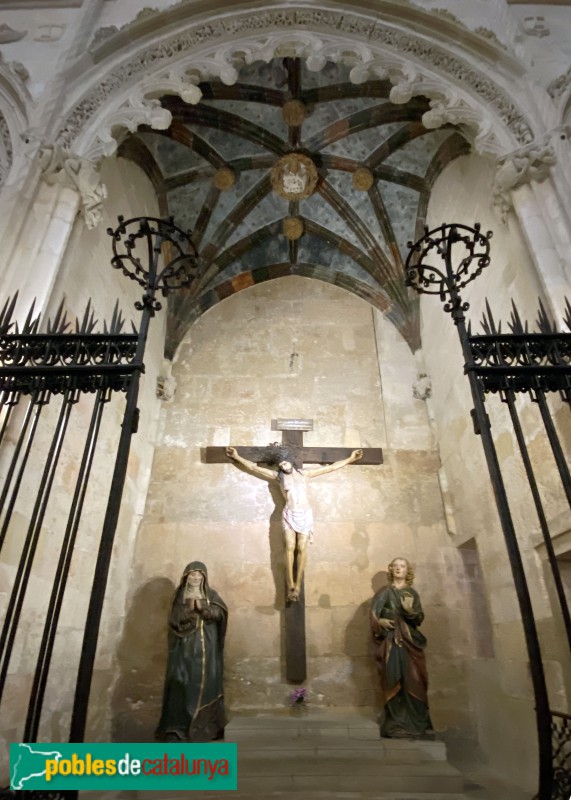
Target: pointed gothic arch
[[14, 103], [125, 74]]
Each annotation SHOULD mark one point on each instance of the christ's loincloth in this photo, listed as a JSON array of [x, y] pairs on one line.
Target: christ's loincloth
[[300, 522]]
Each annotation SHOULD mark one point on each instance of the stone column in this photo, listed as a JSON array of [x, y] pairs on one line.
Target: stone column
[[523, 184], [68, 185], [546, 229]]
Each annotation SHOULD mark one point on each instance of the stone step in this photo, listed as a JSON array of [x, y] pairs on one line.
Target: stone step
[[308, 775], [364, 754], [310, 764], [308, 718], [406, 751], [337, 753], [321, 731], [324, 754], [284, 795]]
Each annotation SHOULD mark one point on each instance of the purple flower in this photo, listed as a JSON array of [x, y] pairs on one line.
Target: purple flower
[[298, 696]]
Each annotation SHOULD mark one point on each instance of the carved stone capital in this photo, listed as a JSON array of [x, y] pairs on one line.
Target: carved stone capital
[[129, 114], [527, 164], [422, 387], [559, 86], [166, 384], [136, 111], [535, 26], [8, 34], [76, 173]]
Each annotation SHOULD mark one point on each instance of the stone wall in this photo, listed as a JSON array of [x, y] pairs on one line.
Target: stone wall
[[293, 348], [504, 710]]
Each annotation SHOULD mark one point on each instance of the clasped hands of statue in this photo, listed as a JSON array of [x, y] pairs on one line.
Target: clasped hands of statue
[[195, 605]]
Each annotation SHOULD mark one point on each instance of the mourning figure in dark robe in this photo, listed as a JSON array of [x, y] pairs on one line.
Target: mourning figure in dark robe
[[193, 699], [396, 615]]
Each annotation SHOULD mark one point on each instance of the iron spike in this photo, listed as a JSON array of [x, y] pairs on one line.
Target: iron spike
[[7, 313], [60, 323], [515, 325], [488, 323], [31, 323], [543, 322], [82, 328], [116, 319]]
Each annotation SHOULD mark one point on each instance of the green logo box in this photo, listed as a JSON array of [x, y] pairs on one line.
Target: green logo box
[[103, 767]]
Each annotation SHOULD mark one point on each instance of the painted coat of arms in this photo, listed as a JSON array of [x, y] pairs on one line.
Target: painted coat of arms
[[294, 176]]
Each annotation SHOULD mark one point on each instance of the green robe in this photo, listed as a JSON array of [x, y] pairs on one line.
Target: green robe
[[399, 654], [193, 698]]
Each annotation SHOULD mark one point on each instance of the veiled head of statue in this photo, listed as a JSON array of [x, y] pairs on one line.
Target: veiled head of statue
[[195, 566]]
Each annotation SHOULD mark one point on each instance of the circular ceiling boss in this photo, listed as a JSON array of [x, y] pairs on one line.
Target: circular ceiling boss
[[293, 228], [224, 178], [293, 112], [363, 179], [294, 176]]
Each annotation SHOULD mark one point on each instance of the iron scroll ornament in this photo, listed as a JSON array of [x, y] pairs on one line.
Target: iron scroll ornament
[[137, 246], [427, 276]]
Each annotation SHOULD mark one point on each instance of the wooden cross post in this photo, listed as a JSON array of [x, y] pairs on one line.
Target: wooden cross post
[[292, 438]]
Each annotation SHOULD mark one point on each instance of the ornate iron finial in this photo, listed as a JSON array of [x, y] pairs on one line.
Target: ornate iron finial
[[445, 260], [137, 245]]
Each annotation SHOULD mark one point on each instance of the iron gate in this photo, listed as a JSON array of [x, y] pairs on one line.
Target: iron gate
[[443, 262], [52, 373]]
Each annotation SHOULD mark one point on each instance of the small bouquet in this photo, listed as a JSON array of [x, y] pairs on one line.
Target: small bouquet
[[297, 696]]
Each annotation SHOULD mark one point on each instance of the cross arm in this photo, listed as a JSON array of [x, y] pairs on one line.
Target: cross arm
[[309, 455], [328, 455], [217, 455]]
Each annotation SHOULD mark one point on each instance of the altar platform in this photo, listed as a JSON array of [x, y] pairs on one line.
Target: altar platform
[[317, 754]]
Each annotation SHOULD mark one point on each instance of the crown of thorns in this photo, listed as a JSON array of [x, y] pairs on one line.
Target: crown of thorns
[[275, 453]]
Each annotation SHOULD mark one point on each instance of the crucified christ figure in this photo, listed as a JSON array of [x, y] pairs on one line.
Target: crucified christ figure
[[297, 516]]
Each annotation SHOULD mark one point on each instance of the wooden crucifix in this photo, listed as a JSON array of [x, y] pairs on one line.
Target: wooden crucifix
[[297, 520]]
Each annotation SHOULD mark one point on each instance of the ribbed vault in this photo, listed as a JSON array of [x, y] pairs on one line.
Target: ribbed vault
[[214, 170]]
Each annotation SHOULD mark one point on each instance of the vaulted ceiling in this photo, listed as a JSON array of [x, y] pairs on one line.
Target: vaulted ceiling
[[368, 167]]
